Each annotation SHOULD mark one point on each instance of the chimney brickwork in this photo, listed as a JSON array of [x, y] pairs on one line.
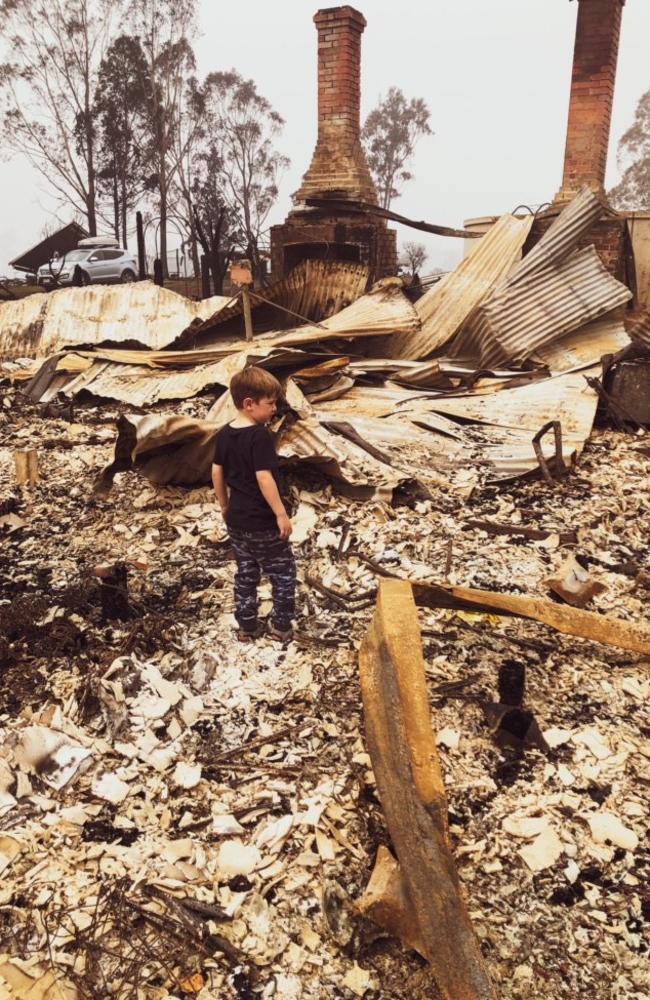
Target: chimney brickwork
[[592, 94], [339, 163], [338, 168]]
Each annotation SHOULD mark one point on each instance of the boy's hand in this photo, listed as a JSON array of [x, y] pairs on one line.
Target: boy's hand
[[285, 526]]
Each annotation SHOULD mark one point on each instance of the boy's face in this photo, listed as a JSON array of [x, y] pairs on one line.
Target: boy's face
[[262, 410]]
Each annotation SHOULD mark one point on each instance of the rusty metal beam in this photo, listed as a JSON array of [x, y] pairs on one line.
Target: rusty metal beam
[[343, 206], [405, 761]]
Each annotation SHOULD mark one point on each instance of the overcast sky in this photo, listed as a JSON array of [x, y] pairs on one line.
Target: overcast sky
[[495, 74]]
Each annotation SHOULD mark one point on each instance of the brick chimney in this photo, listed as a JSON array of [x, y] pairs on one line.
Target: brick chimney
[[592, 93], [338, 168], [339, 163]]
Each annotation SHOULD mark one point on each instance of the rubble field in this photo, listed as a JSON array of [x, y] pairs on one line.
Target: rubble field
[[182, 815]]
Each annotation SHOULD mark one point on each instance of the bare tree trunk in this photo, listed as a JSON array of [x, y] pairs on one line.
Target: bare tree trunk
[[123, 206], [90, 150], [194, 246], [90, 213], [116, 206], [162, 182], [217, 276]]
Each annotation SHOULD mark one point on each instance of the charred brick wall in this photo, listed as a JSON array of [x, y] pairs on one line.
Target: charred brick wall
[[592, 93], [356, 238]]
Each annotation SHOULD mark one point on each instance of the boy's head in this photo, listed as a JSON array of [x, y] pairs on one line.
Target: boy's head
[[255, 392]]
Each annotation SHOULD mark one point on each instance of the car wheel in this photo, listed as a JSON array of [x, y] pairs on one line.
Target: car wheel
[[85, 278], [127, 277]]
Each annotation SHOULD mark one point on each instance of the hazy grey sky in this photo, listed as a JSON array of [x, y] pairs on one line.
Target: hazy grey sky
[[495, 74]]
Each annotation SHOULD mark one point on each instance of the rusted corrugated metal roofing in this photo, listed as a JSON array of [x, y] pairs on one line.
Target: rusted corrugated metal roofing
[[522, 317], [142, 313], [444, 309], [553, 291], [566, 398], [141, 377], [562, 236], [315, 289], [585, 347], [141, 386]]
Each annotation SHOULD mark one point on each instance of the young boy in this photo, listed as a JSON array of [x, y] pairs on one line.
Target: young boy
[[245, 475]]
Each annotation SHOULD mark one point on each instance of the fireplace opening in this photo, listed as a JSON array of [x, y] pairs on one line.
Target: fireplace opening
[[294, 253]]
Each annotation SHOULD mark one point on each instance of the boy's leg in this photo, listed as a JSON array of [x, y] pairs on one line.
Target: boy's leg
[[278, 562], [247, 578]]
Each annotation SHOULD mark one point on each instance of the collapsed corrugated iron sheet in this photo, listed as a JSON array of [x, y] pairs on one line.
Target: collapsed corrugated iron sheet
[[553, 291], [585, 347], [143, 386], [140, 313], [444, 309], [141, 378], [315, 290], [566, 398], [562, 236], [384, 309], [180, 449], [519, 319], [457, 455]]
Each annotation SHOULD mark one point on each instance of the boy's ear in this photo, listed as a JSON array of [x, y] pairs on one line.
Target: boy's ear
[[248, 402]]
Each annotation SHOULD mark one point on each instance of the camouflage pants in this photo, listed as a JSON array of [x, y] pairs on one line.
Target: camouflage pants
[[257, 552]]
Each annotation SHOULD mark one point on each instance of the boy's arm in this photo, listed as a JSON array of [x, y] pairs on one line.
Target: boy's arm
[[271, 494], [220, 488]]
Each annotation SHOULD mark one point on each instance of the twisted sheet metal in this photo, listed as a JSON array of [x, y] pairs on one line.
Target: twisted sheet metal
[[562, 236], [566, 398], [586, 346], [315, 289], [522, 317], [142, 313], [142, 386], [553, 291], [443, 310]]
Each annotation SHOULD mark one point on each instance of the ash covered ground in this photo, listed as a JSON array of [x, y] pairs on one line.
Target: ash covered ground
[[155, 759]]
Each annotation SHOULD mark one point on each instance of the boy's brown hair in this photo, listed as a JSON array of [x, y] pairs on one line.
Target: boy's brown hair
[[253, 383]]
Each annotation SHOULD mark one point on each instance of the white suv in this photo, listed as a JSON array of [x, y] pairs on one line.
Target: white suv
[[99, 261]]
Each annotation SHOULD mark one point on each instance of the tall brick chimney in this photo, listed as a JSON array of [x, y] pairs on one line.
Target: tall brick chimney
[[592, 93], [338, 167], [339, 163]]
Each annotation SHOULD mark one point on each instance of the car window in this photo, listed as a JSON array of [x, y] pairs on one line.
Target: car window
[[97, 255], [112, 254]]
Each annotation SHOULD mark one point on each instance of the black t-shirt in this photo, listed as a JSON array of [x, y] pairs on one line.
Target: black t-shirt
[[241, 452]]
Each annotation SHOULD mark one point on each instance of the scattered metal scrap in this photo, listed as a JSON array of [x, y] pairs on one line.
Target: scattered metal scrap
[[128, 935]]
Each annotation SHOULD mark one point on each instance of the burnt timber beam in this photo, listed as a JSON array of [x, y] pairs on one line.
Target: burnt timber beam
[[405, 761], [633, 636]]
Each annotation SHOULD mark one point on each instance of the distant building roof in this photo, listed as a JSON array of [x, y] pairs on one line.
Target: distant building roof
[[63, 240]]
